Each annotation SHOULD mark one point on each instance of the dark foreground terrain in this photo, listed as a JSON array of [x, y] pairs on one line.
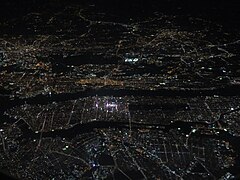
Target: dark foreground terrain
[[120, 90]]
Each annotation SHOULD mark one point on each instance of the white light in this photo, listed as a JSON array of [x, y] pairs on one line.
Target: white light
[[111, 105], [132, 60]]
